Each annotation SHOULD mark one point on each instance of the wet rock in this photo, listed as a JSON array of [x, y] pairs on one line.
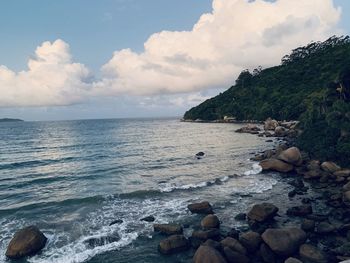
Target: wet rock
[[234, 245], [101, 241], [200, 208], [270, 124], [213, 244], [26, 242], [234, 233], [234, 256], [267, 254], [210, 221], [308, 225], [291, 155], [207, 254], [200, 154], [206, 234], [311, 254], [262, 212], [173, 244], [330, 167], [115, 222], [301, 210], [250, 240], [284, 242], [148, 219], [292, 260], [276, 165], [324, 228], [241, 216], [168, 229], [343, 173], [280, 131]]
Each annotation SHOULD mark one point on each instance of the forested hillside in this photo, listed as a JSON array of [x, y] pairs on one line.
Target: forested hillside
[[312, 84]]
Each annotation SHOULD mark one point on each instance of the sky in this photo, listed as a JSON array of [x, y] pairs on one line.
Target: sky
[[88, 59]]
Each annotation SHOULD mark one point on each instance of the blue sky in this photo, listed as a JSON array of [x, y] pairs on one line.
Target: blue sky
[[91, 31]]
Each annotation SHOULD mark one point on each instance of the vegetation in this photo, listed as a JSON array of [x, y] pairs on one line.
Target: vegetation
[[312, 85]]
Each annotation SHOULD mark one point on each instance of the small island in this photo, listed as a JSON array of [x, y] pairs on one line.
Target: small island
[[10, 120]]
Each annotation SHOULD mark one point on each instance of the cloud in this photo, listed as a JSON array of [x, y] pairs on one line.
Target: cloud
[[236, 35], [51, 79]]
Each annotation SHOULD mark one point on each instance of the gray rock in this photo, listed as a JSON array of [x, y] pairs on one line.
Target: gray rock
[[168, 229], [173, 244], [200, 208], [262, 212]]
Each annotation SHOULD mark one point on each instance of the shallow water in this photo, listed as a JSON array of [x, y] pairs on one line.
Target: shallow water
[[73, 178]]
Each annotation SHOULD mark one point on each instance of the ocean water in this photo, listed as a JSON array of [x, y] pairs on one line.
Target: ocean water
[[73, 178]]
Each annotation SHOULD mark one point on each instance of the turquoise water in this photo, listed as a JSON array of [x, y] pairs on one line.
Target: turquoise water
[[73, 178]]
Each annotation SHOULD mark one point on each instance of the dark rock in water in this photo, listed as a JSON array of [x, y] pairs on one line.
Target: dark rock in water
[[292, 193], [207, 254], [26, 242], [101, 241], [267, 254], [284, 242], [301, 210], [200, 208], [210, 221], [168, 229], [262, 212], [250, 240], [306, 200], [200, 154], [148, 219], [241, 216], [311, 254], [234, 245], [308, 225], [118, 221], [324, 228], [234, 233], [234, 256], [207, 234], [173, 244]]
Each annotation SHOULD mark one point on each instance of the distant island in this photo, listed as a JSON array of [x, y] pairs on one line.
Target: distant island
[[10, 120]]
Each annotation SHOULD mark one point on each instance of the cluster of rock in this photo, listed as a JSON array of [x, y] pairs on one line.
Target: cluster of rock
[[272, 128]]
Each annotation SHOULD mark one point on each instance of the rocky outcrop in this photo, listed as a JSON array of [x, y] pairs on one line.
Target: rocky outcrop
[[270, 124], [276, 165], [284, 242], [262, 212], [292, 156], [250, 128], [210, 221], [26, 242], [168, 229], [173, 244], [201, 208], [207, 254]]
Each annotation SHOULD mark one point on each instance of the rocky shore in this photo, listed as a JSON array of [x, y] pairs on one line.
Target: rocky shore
[[318, 230]]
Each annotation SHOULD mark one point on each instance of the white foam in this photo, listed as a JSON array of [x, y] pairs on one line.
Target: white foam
[[256, 169]]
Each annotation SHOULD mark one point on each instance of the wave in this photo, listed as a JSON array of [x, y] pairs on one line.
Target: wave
[[256, 169]]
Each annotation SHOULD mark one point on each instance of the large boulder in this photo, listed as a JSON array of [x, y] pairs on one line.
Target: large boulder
[[213, 233], [311, 254], [234, 245], [26, 242], [343, 173], [168, 229], [173, 244], [210, 221], [207, 254], [262, 212], [270, 124], [235, 257], [284, 242], [292, 156], [330, 167], [280, 131], [201, 208], [276, 165], [250, 240]]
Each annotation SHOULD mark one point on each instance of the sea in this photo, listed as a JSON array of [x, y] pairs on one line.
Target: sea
[[73, 178]]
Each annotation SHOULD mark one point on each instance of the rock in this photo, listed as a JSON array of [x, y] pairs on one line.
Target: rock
[[200, 208], [270, 125], [346, 198], [168, 229], [292, 156], [284, 242], [148, 219], [233, 244], [276, 165], [250, 128], [346, 187], [101, 241], [308, 225], [343, 173], [262, 212], [200, 154], [234, 256], [206, 234], [207, 254], [241, 216], [292, 260], [118, 221], [210, 221], [213, 244], [314, 174], [26, 242], [343, 250], [266, 253], [280, 131], [301, 210], [324, 228], [173, 244], [250, 240], [311, 254], [330, 167], [234, 233]]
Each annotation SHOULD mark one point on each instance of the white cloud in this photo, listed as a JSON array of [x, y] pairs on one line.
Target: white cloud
[[236, 35], [51, 79]]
